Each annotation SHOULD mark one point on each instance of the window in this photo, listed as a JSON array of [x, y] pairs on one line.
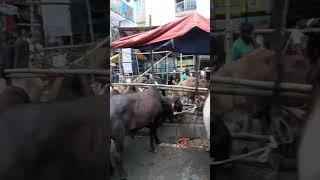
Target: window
[[185, 5]]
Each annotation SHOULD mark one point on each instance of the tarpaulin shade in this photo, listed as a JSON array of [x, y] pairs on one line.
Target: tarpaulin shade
[[195, 41], [186, 34]]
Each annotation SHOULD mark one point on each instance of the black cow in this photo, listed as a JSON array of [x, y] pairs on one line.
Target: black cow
[[132, 112], [62, 140]]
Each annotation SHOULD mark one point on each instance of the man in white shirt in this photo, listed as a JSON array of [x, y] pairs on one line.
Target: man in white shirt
[[298, 40]]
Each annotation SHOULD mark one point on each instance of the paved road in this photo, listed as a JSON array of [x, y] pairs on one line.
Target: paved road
[[168, 164]]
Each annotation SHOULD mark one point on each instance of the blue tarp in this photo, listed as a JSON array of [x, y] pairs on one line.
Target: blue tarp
[[196, 41]]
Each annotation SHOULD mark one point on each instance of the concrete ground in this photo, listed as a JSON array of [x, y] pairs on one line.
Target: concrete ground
[[168, 163]]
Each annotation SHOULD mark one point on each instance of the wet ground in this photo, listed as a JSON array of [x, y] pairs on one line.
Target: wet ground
[[169, 163]]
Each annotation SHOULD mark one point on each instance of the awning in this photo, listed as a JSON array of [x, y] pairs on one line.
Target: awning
[[189, 34]]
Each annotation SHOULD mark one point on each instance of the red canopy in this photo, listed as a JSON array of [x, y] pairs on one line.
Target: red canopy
[[168, 31]]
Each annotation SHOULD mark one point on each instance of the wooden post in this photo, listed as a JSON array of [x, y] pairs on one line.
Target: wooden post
[[90, 20]]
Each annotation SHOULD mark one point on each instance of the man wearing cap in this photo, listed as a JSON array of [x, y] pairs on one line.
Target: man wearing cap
[[244, 44]]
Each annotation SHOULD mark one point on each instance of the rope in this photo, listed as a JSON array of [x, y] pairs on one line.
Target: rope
[[191, 110], [263, 158]]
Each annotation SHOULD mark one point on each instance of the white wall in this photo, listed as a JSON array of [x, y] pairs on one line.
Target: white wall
[[162, 11], [203, 8]]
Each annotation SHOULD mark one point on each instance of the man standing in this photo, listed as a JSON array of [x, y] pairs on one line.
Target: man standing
[[21, 51], [244, 44], [186, 74], [5, 53]]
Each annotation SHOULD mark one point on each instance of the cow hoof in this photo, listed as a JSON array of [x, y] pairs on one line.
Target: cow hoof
[[124, 178]]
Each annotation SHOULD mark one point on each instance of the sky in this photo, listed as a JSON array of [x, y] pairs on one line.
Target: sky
[[163, 11]]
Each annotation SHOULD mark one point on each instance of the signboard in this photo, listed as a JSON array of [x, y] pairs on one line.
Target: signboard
[[259, 22], [121, 8], [185, 62], [127, 61], [239, 6]]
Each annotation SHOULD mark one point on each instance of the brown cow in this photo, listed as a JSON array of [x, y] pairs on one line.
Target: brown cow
[[258, 65], [191, 82]]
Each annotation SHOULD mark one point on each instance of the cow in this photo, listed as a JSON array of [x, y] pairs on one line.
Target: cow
[[132, 112], [32, 86], [69, 88], [113, 91], [257, 65], [60, 140], [191, 82], [13, 95]]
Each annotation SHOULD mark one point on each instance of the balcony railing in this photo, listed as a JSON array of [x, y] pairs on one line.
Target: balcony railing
[[186, 5]]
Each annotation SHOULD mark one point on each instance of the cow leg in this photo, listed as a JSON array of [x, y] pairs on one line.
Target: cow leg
[[119, 159], [152, 138], [156, 137]]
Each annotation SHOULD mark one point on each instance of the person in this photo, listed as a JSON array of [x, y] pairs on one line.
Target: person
[[298, 40], [244, 44], [21, 51], [186, 74], [5, 53]]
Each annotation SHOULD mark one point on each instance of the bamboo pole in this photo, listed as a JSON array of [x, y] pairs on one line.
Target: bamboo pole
[[32, 18], [90, 20], [228, 25], [219, 90], [153, 52], [255, 92], [58, 71], [162, 86], [167, 69], [270, 31], [120, 64], [87, 53], [19, 2], [63, 47], [262, 84], [197, 66], [150, 68], [180, 66], [250, 137]]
